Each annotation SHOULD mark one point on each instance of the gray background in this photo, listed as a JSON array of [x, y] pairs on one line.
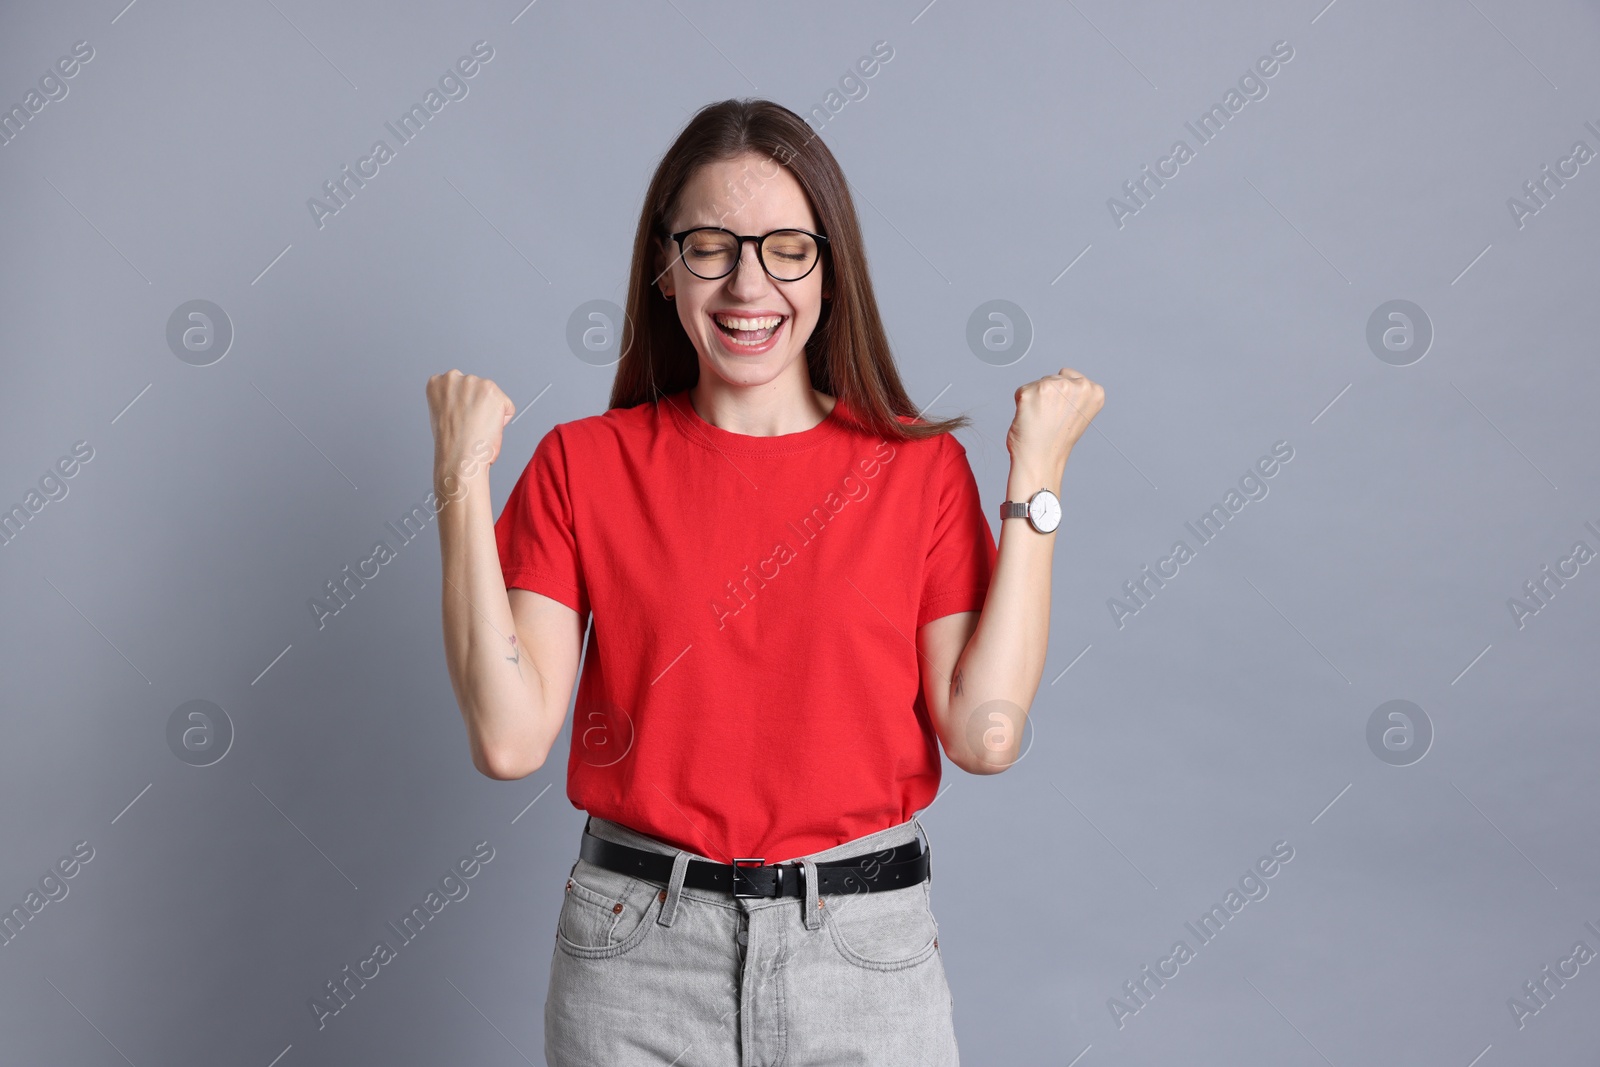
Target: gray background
[[1168, 754]]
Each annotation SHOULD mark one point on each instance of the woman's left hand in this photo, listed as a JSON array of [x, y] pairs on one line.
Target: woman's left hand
[[1052, 413]]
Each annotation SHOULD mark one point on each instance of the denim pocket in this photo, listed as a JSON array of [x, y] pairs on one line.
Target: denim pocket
[[605, 913], [883, 931]]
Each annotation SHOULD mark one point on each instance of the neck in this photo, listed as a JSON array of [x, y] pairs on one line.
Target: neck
[[769, 410]]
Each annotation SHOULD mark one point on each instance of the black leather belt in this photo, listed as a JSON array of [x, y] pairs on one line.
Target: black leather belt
[[871, 872]]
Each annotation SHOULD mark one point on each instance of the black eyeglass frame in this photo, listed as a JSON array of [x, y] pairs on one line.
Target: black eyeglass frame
[[821, 239]]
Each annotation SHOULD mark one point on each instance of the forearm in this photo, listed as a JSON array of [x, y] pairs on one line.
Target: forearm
[[499, 693], [998, 673]]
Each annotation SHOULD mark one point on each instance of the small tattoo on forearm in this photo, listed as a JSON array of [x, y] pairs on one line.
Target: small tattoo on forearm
[[516, 654]]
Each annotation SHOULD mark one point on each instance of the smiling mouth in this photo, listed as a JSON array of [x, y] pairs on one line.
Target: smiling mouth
[[749, 331]]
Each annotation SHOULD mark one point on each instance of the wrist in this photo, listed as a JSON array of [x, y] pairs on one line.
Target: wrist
[[455, 456], [1023, 482], [456, 481]]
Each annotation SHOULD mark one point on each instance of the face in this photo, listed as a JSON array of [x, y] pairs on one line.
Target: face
[[751, 194]]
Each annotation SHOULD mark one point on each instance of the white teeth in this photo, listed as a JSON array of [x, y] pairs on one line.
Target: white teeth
[[765, 323]]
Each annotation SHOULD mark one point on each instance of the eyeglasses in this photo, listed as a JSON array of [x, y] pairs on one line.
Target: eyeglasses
[[711, 252]]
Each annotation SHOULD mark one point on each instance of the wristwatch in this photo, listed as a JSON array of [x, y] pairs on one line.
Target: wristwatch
[[1042, 510]]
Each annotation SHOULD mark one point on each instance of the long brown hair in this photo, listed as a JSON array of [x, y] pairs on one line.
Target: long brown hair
[[847, 353]]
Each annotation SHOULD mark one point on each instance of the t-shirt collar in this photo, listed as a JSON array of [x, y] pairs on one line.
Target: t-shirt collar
[[681, 413]]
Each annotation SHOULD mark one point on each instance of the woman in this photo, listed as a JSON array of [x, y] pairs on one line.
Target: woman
[[796, 602]]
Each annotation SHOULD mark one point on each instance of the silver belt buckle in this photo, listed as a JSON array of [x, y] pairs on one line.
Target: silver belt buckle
[[759, 861]]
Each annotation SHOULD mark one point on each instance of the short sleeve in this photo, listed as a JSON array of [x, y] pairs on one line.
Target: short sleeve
[[534, 533], [962, 552]]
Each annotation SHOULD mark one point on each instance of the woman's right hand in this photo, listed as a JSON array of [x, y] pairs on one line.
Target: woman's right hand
[[468, 415], [512, 655]]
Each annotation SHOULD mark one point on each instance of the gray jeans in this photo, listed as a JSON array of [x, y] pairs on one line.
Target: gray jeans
[[655, 973]]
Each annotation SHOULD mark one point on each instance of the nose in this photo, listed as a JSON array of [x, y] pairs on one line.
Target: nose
[[747, 274]]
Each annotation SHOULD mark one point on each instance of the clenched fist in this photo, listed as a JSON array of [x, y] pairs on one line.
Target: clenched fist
[[468, 415], [1052, 413]]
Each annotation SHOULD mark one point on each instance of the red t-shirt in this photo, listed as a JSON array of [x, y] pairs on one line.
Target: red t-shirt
[[751, 683]]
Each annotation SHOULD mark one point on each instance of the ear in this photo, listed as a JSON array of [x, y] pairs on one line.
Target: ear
[[663, 265]]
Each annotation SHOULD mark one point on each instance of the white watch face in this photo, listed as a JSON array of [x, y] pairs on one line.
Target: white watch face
[[1044, 511]]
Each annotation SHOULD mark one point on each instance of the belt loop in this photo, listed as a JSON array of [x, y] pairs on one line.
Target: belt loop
[[669, 907], [927, 845], [812, 903]]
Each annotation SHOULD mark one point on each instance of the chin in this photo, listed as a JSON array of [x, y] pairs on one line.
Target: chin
[[747, 372]]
